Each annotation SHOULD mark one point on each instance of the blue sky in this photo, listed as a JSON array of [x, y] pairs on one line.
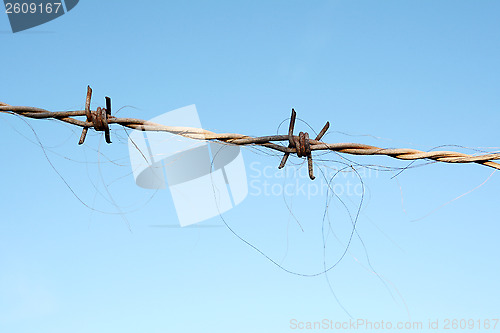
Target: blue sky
[[416, 74]]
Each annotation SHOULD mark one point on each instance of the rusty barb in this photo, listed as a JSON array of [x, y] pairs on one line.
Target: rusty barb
[[98, 118], [301, 145]]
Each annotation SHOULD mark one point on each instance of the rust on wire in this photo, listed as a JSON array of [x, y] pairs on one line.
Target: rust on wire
[[98, 119], [301, 145]]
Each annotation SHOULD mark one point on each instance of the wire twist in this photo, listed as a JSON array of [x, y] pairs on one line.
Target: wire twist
[[98, 118], [300, 145]]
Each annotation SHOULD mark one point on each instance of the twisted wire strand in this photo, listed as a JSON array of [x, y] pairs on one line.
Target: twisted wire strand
[[265, 141]]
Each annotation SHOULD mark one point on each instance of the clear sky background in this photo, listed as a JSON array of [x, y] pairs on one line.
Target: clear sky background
[[417, 74]]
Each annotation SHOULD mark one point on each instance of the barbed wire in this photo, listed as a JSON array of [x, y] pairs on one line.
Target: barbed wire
[[301, 145]]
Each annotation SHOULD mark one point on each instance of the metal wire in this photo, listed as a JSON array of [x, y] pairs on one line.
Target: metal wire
[[300, 145]]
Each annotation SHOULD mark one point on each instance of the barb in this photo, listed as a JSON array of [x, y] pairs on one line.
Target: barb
[[301, 145], [98, 118]]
